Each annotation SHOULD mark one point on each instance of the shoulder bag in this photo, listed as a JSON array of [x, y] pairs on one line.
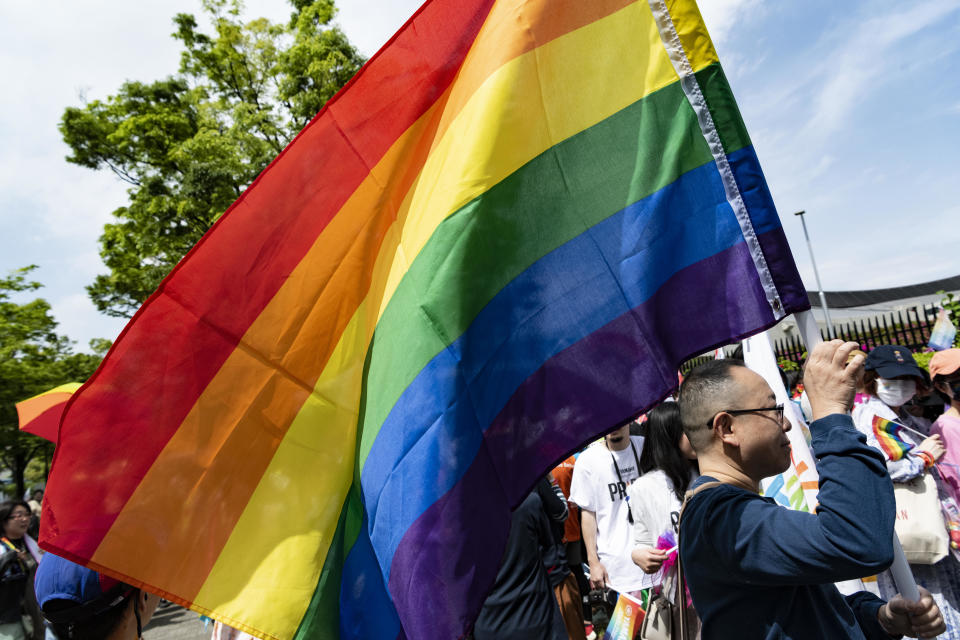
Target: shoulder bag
[[667, 620]]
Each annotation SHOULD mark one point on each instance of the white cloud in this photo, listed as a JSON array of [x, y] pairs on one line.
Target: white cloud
[[827, 118], [723, 16], [864, 53], [86, 263], [80, 321], [370, 23]]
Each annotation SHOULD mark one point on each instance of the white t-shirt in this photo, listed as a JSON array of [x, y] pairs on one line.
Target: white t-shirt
[[654, 505], [596, 487]]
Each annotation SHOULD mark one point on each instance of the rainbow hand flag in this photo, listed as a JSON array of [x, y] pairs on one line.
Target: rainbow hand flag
[[40, 415], [627, 617], [501, 238], [888, 436]]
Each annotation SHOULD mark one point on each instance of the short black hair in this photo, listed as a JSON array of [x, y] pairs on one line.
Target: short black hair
[[7, 507], [94, 627], [705, 391]]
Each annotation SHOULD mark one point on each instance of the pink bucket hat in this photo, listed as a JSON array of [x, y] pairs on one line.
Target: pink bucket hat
[[945, 362]]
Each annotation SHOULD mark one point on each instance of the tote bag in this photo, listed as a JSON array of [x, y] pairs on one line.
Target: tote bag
[[920, 526]]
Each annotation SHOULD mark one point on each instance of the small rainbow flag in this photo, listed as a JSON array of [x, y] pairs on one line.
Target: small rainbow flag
[[888, 435], [627, 617], [40, 415], [500, 239]]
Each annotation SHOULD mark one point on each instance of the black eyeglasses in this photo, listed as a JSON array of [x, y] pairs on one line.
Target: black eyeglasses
[[778, 408]]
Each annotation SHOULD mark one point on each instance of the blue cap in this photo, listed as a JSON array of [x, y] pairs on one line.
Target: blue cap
[[62, 580], [893, 361]]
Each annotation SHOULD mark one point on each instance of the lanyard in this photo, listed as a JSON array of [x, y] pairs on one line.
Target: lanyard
[[15, 549], [620, 477]]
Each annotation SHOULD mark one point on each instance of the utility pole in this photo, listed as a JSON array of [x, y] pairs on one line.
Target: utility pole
[[816, 274]]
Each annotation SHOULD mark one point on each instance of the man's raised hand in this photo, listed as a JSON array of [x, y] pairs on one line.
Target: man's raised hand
[[830, 377]]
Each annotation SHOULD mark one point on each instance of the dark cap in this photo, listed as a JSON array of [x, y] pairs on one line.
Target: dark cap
[[893, 361], [68, 592]]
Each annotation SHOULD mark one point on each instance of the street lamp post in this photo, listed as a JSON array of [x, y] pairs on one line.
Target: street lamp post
[[816, 274]]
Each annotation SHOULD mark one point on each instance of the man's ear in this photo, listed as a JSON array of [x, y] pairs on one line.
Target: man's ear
[[723, 429]]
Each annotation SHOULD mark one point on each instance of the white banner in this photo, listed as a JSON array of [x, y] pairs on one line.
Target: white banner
[[797, 486]]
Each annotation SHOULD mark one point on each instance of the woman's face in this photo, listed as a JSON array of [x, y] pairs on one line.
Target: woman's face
[[686, 448], [15, 527], [951, 387]]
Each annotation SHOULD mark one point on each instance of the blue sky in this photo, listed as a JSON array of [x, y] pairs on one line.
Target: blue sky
[[854, 109]]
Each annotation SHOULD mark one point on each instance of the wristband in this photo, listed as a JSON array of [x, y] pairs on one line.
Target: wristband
[[928, 460]]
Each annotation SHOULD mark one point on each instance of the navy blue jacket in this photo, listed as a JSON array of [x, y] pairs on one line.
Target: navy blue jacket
[[758, 570]]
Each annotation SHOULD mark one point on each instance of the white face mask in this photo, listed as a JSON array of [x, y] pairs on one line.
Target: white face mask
[[895, 393]]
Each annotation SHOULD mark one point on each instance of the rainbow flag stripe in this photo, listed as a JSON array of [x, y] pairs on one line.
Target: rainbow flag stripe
[[888, 436], [501, 238], [40, 415]]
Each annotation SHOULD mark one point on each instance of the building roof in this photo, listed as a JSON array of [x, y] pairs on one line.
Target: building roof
[[866, 297]]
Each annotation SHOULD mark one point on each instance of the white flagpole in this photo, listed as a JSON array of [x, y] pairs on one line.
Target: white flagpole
[[900, 569]]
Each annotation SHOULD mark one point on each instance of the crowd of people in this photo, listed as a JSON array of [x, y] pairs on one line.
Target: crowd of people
[[752, 568], [668, 508]]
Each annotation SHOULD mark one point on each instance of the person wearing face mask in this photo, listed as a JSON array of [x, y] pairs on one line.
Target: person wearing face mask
[[945, 372], [891, 378]]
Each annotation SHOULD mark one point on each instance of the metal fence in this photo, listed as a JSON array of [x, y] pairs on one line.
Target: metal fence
[[910, 327], [693, 362]]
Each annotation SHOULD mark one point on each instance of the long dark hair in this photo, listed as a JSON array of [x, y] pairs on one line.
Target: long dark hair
[[661, 448]]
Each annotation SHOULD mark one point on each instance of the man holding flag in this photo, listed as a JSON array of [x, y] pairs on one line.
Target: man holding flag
[[756, 570]]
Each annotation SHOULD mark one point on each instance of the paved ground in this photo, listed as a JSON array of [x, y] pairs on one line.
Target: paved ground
[[171, 622]]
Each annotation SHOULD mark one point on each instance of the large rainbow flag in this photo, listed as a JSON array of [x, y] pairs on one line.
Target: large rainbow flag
[[499, 240]]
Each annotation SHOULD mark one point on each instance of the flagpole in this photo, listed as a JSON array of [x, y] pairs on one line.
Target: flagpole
[[914, 431], [900, 569], [816, 274]]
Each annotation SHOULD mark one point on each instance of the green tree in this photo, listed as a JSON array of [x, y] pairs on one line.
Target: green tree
[[33, 358], [188, 145]]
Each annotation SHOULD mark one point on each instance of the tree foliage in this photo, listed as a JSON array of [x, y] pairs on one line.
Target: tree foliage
[[33, 358], [188, 145]]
